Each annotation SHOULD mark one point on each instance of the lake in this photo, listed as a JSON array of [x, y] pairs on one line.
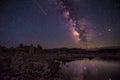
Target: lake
[[91, 70]]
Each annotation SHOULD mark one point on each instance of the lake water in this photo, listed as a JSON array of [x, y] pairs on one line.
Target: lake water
[[91, 70]]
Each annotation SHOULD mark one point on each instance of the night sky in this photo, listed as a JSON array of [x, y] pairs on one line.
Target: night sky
[[60, 23]]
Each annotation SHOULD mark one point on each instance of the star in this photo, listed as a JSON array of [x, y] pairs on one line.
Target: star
[[110, 79], [109, 30]]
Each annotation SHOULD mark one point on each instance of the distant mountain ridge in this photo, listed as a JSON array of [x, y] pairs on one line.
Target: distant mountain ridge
[[108, 47]]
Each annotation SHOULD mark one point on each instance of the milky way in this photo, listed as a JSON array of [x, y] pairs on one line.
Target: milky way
[[60, 23], [77, 28]]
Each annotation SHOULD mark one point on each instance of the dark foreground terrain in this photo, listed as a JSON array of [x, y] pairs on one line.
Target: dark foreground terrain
[[31, 63]]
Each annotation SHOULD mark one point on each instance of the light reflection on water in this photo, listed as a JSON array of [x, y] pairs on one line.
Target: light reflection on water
[[91, 70]]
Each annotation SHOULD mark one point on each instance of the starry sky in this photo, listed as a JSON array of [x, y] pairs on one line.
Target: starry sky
[[60, 23]]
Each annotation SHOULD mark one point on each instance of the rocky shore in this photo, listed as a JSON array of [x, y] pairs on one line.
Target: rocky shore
[[36, 63]]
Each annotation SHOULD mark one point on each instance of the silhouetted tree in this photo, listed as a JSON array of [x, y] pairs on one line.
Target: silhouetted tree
[[21, 45], [39, 47], [31, 50]]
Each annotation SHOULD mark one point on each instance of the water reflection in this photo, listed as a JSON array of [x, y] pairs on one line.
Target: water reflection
[[91, 70]]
